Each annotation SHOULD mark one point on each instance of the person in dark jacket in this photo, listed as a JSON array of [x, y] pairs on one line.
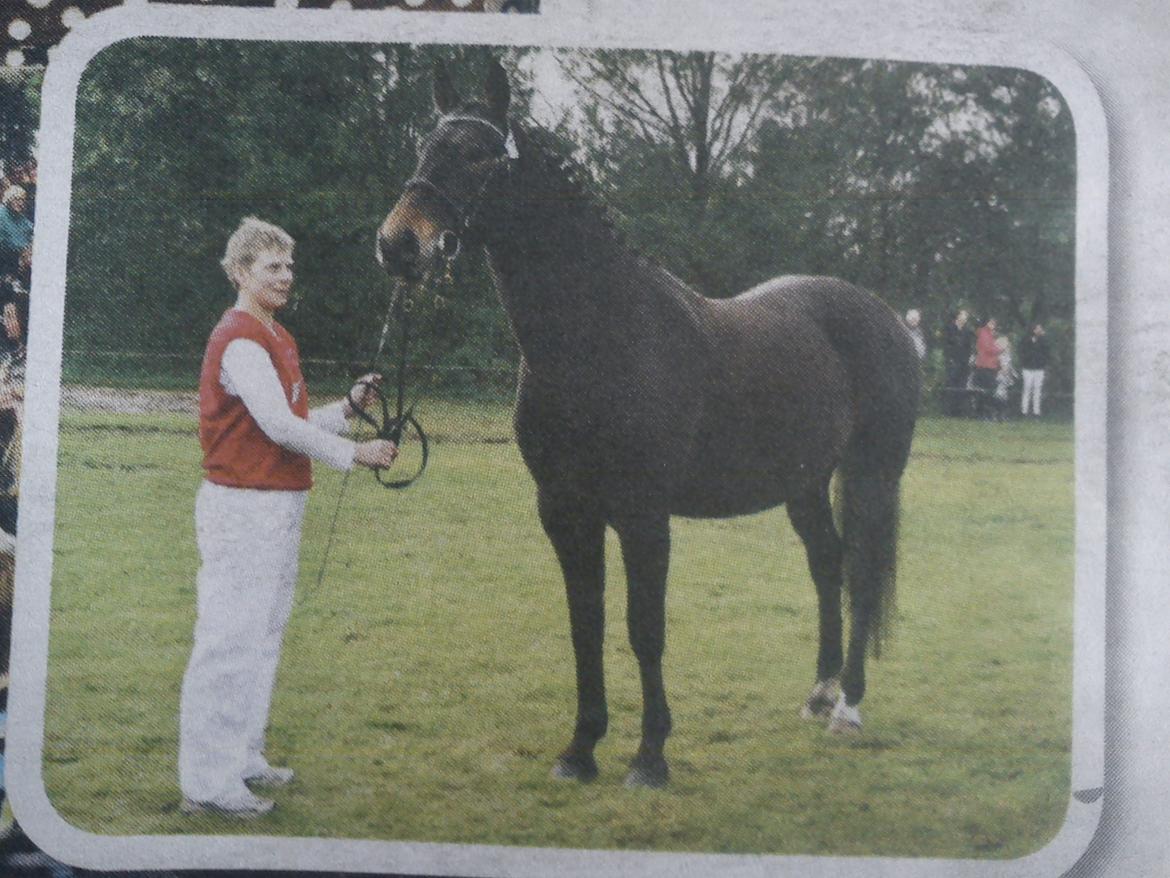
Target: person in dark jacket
[[1033, 364], [958, 341]]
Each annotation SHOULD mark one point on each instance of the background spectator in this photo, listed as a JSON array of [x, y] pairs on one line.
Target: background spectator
[[986, 365], [15, 231], [914, 327], [1005, 378], [1033, 363], [958, 342]]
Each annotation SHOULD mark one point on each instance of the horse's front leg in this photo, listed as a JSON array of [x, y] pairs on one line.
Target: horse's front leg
[[577, 533], [645, 539]]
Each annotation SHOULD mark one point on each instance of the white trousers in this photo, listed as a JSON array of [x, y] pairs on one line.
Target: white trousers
[[249, 543], [1033, 387]]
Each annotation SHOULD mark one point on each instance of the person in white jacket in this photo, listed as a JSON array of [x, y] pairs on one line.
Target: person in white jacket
[[258, 435]]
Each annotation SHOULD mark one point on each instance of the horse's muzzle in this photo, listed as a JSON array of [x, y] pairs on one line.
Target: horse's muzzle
[[401, 255]]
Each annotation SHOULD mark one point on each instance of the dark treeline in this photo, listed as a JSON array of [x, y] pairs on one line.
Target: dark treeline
[[935, 186], [18, 115]]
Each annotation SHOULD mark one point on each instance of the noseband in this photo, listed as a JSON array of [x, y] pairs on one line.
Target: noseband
[[466, 215]]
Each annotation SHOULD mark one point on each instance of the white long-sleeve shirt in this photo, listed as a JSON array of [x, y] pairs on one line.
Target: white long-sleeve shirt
[[247, 372]]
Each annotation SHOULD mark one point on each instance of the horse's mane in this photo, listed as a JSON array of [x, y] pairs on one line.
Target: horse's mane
[[549, 166], [564, 178]]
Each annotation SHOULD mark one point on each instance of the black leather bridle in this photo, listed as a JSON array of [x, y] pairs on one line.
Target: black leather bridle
[[466, 215], [392, 427]]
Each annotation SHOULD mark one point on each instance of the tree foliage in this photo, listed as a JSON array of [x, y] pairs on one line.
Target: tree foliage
[[18, 115], [935, 186], [179, 140]]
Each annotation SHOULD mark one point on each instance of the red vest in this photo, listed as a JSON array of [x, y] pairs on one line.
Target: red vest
[[236, 452], [986, 353]]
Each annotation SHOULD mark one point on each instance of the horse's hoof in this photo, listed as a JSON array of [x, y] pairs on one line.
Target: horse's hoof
[[652, 776], [575, 768], [846, 719], [821, 700]]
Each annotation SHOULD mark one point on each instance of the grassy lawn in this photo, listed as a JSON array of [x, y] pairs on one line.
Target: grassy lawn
[[427, 684]]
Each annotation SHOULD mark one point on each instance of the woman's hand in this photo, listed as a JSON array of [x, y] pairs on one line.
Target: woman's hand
[[362, 393], [376, 454]]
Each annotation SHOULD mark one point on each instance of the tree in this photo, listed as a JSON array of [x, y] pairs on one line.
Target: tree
[[177, 140], [933, 185], [703, 105], [19, 112]]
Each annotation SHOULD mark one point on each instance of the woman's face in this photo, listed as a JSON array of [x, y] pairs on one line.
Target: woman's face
[[268, 281]]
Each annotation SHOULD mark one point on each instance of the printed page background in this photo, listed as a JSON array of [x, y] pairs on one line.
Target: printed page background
[[29, 28]]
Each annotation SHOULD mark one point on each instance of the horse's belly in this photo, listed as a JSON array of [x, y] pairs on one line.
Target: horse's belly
[[745, 464], [726, 499]]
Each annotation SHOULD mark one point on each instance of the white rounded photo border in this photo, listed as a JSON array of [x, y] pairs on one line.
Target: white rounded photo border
[[750, 29]]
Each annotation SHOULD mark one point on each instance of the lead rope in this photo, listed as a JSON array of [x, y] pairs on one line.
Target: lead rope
[[398, 292]]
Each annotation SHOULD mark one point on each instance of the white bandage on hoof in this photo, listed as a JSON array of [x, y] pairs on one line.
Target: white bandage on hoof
[[846, 719]]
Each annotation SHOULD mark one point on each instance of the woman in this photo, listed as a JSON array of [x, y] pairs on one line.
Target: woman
[[986, 366], [258, 436], [957, 343], [1033, 363]]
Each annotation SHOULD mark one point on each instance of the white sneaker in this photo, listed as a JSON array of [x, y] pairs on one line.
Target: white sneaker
[[271, 776], [243, 806]]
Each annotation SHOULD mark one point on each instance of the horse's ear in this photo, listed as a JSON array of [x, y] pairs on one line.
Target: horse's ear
[[446, 98], [519, 139], [497, 92]]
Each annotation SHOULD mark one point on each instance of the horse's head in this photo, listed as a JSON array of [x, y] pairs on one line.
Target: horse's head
[[459, 161]]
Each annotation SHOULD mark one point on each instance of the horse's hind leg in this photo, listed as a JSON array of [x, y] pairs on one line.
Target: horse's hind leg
[[846, 716], [578, 537], [645, 539], [812, 518]]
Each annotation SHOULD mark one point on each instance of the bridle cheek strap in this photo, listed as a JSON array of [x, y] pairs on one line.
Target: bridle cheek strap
[[503, 162], [466, 215]]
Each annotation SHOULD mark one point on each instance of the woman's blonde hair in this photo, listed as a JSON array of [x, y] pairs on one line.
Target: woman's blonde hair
[[252, 238]]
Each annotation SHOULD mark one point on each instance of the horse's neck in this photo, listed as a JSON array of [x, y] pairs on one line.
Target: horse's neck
[[556, 267]]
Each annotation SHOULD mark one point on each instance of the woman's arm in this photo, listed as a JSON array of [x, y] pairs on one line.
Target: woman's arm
[[330, 417], [247, 372]]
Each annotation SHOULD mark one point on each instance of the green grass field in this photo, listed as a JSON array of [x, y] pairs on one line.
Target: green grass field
[[427, 685]]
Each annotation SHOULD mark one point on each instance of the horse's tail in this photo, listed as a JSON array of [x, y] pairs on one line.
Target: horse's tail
[[868, 507], [884, 371]]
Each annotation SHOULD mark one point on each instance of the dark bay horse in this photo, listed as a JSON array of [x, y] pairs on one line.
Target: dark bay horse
[[640, 399]]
